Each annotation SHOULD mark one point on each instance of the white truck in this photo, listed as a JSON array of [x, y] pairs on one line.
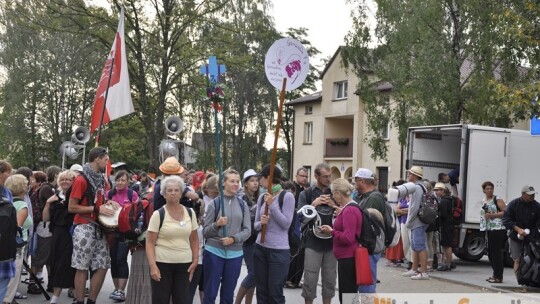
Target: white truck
[[508, 158]]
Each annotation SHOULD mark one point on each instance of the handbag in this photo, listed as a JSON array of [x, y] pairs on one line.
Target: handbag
[[362, 267]]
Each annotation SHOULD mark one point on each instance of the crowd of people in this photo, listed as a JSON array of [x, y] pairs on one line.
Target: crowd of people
[[195, 238]]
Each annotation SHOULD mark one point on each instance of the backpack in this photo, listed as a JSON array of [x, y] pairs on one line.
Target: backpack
[[88, 193], [528, 272], [428, 211], [113, 192], [372, 234], [294, 231], [131, 219], [8, 229], [392, 227], [457, 209], [162, 215]]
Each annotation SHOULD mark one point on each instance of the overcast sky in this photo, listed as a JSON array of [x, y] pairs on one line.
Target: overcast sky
[[327, 21]]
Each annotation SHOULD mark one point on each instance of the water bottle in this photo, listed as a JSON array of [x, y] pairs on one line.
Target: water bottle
[[140, 223]]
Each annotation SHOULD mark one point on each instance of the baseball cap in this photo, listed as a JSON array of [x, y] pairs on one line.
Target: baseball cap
[[528, 189], [265, 172], [364, 173], [76, 167], [249, 173]]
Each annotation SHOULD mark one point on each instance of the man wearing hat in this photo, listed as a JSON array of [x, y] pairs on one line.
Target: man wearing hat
[[521, 218], [417, 227], [369, 197], [170, 166]]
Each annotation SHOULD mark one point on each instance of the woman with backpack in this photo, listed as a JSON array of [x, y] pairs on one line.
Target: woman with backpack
[[18, 185], [251, 194], [172, 245], [118, 247], [55, 211], [226, 226], [347, 226], [491, 221], [271, 258]]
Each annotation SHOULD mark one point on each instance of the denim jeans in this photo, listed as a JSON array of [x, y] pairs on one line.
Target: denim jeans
[[373, 260], [249, 280], [119, 253], [3, 287], [271, 268]]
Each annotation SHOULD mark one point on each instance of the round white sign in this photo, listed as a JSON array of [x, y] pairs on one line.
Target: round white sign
[[286, 58]]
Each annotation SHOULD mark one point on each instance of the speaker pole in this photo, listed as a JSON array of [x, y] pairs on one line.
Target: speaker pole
[[83, 155], [63, 159]]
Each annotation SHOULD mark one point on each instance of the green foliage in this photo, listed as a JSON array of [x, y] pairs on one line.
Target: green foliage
[[53, 53], [448, 62]]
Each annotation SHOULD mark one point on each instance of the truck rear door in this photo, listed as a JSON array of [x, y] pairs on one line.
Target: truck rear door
[[487, 160]]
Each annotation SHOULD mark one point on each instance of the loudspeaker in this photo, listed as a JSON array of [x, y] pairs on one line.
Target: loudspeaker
[[174, 125], [81, 135], [168, 148], [68, 149]]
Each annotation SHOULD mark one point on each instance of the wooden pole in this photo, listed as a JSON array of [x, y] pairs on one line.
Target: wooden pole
[[274, 152]]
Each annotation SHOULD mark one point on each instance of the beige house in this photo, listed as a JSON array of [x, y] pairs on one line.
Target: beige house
[[329, 126]]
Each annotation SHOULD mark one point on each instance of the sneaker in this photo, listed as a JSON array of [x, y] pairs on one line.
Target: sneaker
[[420, 276], [113, 294], [118, 295], [33, 289], [452, 265], [409, 273], [444, 267]]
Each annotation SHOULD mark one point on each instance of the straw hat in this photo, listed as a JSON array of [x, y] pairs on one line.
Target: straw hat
[[416, 170], [171, 166], [439, 186]]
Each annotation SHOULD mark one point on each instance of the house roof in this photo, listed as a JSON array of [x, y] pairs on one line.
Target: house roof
[[330, 62], [314, 97]]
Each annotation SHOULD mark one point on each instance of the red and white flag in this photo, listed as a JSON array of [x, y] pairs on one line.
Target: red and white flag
[[119, 97]]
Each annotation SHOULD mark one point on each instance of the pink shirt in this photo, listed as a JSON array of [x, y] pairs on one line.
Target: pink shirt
[[121, 196], [347, 225]]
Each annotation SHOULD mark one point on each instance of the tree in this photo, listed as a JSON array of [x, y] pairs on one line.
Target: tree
[[447, 61]]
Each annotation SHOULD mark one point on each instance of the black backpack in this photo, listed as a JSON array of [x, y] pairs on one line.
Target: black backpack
[[8, 229], [429, 210], [372, 235], [528, 272]]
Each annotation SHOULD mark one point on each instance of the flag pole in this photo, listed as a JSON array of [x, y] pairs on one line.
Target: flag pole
[[274, 153], [104, 102]]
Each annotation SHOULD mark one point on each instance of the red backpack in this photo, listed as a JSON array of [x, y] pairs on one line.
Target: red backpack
[[132, 219]]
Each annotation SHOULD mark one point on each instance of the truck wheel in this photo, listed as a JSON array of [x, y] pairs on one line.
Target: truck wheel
[[473, 247]]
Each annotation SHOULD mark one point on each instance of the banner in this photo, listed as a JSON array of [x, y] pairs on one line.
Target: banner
[[118, 101]]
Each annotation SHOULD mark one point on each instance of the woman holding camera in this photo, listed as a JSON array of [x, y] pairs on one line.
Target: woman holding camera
[[491, 222]]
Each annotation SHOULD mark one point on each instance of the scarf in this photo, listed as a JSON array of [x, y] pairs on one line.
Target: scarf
[[96, 179]]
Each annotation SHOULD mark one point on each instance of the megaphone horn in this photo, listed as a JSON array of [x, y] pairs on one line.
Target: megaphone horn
[[174, 124], [81, 135], [68, 149]]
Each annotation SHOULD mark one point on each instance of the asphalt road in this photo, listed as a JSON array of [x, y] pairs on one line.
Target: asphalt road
[[468, 277]]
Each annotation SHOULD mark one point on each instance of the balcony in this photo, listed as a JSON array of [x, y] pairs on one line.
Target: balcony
[[339, 147]]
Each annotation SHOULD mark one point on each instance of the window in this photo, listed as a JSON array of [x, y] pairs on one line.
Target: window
[[308, 132], [341, 90], [309, 110], [385, 132]]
